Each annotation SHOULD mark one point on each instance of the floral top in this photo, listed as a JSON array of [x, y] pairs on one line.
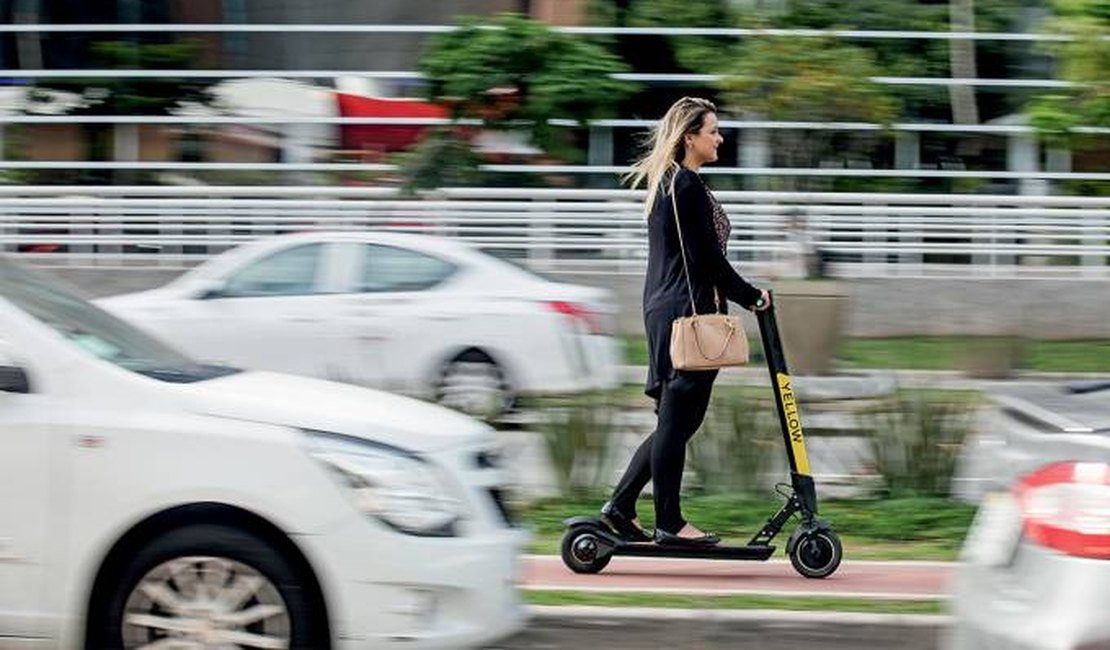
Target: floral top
[[720, 222]]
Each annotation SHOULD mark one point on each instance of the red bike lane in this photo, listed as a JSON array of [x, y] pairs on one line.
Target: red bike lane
[[857, 579]]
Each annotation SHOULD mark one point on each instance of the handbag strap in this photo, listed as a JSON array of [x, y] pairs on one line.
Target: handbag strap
[[724, 346], [682, 248]]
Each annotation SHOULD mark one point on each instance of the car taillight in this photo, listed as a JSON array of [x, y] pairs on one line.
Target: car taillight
[[1066, 507], [590, 319]]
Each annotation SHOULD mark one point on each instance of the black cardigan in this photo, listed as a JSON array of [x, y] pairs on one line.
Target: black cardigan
[[666, 296]]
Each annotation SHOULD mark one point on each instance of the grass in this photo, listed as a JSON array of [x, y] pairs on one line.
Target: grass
[[1070, 356], [941, 353], [635, 350], [907, 528], [798, 603], [916, 353]]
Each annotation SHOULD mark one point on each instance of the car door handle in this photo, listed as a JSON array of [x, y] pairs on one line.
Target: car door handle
[[302, 319], [361, 313], [378, 302]]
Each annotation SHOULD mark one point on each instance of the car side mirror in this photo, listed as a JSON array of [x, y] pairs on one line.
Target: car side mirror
[[13, 379], [211, 292]]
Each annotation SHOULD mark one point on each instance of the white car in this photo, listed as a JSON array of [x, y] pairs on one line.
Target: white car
[[425, 316], [149, 501], [1035, 573]]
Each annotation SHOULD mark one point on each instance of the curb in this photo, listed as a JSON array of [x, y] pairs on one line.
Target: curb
[[668, 615], [721, 593], [619, 628]]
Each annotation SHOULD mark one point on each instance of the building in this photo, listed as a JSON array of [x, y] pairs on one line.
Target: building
[[271, 98]]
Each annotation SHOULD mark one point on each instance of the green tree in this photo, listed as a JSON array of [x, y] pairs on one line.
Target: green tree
[[1083, 61], [695, 53], [442, 159], [517, 73], [813, 79], [928, 57], [124, 96], [894, 57], [818, 79], [140, 96]]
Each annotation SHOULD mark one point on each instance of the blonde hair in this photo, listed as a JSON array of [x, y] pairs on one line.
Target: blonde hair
[[665, 146]]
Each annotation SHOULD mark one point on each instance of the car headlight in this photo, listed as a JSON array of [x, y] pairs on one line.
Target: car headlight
[[394, 485]]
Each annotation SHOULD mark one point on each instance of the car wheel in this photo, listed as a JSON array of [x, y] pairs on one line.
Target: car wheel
[[473, 383], [207, 586]]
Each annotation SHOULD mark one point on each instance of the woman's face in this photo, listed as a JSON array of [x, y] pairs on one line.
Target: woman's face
[[701, 147]]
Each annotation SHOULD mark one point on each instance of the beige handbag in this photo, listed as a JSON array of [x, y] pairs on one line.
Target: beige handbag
[[705, 341]]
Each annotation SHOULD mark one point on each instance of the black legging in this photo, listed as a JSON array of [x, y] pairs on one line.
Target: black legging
[[661, 457]]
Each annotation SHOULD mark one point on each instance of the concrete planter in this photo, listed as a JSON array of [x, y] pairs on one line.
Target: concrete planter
[[992, 357], [811, 316]]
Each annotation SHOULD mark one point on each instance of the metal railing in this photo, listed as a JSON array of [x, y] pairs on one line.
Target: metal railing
[[684, 78], [318, 162], [310, 28], [570, 231]]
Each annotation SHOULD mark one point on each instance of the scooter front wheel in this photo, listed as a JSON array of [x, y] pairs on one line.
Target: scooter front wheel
[[816, 553], [583, 551]]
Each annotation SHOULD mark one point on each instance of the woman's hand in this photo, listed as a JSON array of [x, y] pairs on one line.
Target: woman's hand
[[764, 302]]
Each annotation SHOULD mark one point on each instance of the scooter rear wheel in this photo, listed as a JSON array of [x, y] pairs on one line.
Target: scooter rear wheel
[[583, 552], [817, 553]]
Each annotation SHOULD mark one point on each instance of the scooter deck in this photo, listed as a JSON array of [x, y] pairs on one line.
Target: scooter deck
[[651, 549], [716, 552]]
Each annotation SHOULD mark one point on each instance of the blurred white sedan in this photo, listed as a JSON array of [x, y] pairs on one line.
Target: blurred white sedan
[[1036, 562], [413, 314]]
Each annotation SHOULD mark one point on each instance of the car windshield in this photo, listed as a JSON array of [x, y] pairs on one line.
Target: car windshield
[[95, 331]]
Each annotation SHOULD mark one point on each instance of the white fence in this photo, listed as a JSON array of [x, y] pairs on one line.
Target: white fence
[[563, 231]]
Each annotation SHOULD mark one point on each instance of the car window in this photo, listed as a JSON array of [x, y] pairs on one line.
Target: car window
[[388, 268], [95, 331], [519, 264], [290, 272]]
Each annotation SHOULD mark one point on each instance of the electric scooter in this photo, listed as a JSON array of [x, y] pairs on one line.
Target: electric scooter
[[814, 549]]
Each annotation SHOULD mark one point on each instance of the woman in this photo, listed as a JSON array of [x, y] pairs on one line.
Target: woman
[[685, 139]]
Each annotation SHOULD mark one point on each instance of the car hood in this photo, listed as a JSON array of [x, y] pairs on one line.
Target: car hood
[[139, 299], [287, 400], [1061, 408]]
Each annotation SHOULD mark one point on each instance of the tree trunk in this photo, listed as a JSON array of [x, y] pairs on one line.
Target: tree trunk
[[961, 54], [28, 44], [125, 148], [97, 148]]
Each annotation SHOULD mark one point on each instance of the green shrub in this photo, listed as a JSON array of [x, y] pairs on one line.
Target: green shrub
[[578, 433], [916, 440], [729, 453]]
